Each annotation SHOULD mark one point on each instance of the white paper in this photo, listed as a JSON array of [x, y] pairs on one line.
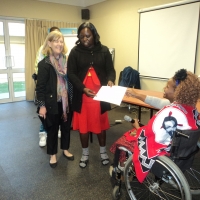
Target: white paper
[[112, 94]]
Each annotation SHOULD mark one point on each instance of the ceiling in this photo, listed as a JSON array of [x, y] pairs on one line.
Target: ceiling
[[81, 3]]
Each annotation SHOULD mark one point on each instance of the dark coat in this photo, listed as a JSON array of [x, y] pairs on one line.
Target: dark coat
[[130, 78], [79, 61], [46, 87]]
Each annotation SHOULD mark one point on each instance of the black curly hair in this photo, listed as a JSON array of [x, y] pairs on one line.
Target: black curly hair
[[187, 87], [180, 75]]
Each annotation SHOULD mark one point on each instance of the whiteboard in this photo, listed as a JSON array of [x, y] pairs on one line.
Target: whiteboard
[[70, 40], [168, 40]]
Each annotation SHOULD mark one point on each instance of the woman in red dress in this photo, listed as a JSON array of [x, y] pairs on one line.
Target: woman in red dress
[[89, 67]]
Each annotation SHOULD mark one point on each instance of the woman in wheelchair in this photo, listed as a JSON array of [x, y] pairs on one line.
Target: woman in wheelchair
[[154, 139]]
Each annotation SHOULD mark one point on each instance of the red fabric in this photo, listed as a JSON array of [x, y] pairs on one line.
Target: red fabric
[[154, 139], [90, 119], [126, 141]]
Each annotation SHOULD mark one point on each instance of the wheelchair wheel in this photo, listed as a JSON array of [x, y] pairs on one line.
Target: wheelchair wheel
[[193, 175], [172, 184], [116, 192]]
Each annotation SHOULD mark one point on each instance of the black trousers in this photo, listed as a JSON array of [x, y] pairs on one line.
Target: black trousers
[[52, 131]]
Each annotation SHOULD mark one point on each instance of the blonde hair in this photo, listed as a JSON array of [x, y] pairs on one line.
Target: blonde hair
[[53, 36]]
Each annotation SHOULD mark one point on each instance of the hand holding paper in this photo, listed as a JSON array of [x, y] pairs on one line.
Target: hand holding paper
[[89, 93], [112, 94]]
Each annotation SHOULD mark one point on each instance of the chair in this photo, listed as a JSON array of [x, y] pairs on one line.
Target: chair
[[130, 78], [177, 176]]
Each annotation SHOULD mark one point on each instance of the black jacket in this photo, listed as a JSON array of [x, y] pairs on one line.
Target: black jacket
[[79, 61], [46, 87], [130, 78]]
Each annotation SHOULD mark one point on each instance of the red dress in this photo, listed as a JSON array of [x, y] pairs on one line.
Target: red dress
[[90, 119]]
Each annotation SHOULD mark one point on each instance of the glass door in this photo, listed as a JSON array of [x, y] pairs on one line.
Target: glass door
[[12, 61]]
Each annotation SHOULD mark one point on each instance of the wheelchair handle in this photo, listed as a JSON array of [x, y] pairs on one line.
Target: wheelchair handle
[[182, 134]]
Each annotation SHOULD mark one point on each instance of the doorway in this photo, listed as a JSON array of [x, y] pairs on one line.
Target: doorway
[[12, 60]]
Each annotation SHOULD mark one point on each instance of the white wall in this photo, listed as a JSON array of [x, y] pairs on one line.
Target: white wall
[[117, 22]]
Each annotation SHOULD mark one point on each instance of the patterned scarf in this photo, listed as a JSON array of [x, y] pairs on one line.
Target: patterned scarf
[[60, 67]]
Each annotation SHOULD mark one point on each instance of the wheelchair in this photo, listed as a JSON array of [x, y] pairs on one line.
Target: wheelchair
[[173, 177]]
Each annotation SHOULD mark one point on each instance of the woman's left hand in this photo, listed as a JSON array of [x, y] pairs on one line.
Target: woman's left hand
[[42, 112], [89, 92], [110, 83], [130, 92]]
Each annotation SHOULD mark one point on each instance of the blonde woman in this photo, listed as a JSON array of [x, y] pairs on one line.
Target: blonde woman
[[52, 95]]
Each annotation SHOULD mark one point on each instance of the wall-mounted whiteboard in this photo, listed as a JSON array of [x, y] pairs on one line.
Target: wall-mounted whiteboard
[[168, 39]]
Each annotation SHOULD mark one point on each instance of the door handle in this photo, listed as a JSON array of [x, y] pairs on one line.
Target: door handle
[[10, 62]]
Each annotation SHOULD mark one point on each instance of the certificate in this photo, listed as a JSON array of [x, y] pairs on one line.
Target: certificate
[[112, 94]]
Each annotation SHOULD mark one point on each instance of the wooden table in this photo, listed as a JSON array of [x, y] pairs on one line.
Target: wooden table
[[139, 103]]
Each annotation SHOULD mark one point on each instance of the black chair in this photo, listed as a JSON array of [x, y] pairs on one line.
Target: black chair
[[130, 78]]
